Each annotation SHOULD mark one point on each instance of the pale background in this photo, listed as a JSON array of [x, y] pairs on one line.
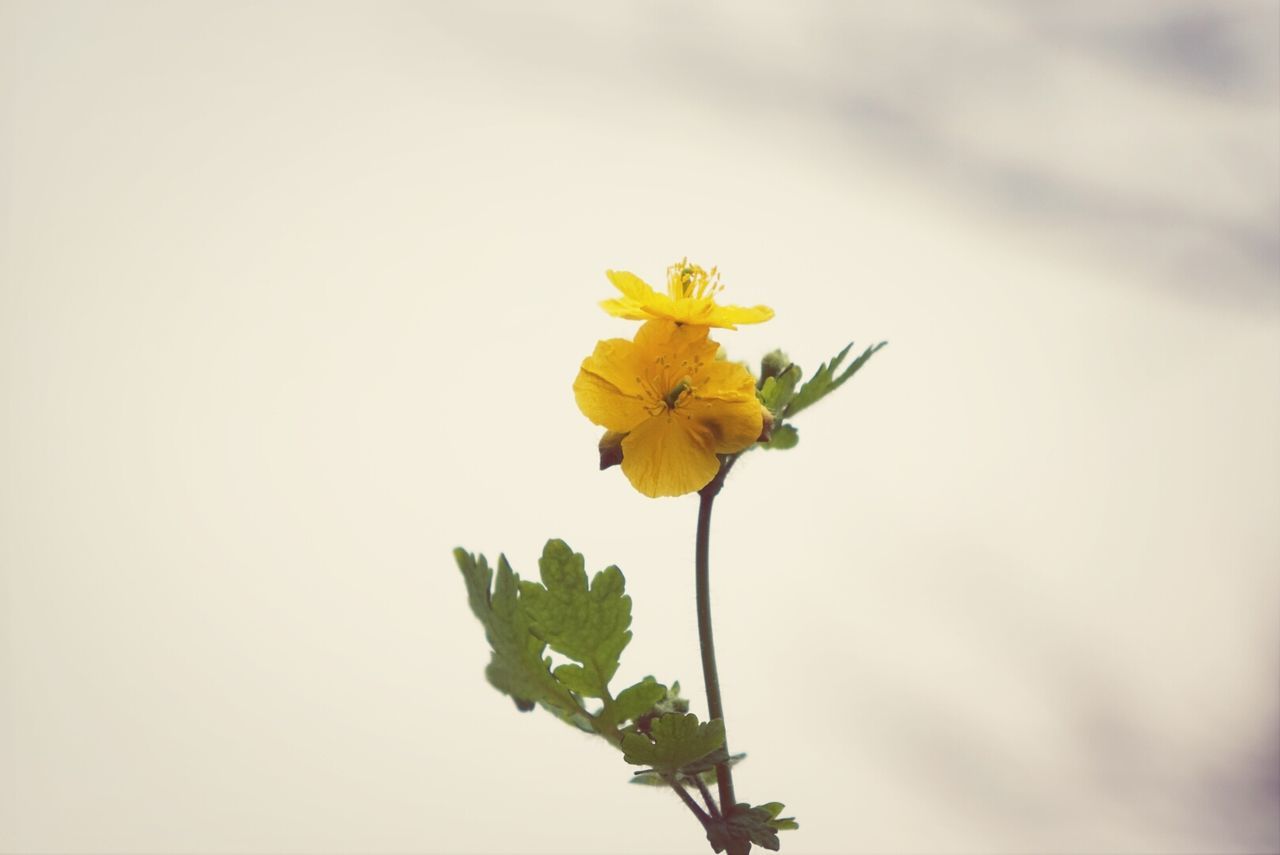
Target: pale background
[[291, 301]]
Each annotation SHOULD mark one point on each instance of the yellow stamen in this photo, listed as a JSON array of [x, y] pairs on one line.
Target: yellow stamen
[[689, 281]]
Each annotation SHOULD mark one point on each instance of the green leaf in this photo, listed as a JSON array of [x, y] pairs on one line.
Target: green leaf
[[759, 825], [708, 763], [670, 702], [704, 769], [786, 823], [825, 380], [516, 666], [783, 437], [674, 740], [635, 701], [587, 624], [777, 391]]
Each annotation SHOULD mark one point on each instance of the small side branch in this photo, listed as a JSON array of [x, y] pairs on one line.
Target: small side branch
[[706, 795], [701, 814]]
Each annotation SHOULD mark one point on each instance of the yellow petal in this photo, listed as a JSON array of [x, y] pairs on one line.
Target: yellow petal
[[725, 380], [695, 312], [662, 457], [724, 404], [675, 342], [639, 302], [607, 387], [630, 285], [704, 312], [729, 316], [630, 310], [727, 426]]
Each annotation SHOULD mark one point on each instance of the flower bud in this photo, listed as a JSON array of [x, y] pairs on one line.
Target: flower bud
[[611, 449], [773, 364], [766, 427]]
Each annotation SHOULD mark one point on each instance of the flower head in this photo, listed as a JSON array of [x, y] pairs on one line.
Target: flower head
[[677, 405], [690, 299]]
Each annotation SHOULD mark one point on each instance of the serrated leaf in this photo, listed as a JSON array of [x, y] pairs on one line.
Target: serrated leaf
[[516, 664], [758, 825], [784, 437], [587, 624], [825, 380], [674, 740], [577, 680], [777, 391], [786, 823], [635, 701], [670, 702], [648, 778], [704, 769], [709, 762]]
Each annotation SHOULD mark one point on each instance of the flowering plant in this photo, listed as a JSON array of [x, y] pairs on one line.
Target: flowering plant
[[677, 416]]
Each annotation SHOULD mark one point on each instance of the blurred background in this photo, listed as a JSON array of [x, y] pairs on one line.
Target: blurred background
[[291, 299]]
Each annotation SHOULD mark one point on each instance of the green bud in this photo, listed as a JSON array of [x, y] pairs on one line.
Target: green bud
[[773, 364]]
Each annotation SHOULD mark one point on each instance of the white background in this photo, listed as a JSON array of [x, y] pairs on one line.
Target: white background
[[291, 299]]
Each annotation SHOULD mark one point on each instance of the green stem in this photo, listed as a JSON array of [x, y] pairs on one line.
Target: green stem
[[689, 802], [710, 676], [706, 795]]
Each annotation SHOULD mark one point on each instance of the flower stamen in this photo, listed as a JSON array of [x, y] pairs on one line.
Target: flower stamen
[[687, 281]]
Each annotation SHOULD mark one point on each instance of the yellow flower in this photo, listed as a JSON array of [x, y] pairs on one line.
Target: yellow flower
[[677, 404], [690, 299]]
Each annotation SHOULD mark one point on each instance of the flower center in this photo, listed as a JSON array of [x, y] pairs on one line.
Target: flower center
[[687, 281], [668, 383], [677, 392]]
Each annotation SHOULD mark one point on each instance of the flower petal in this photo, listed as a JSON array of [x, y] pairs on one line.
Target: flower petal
[[607, 388], [730, 316], [630, 285], [663, 457], [728, 426], [676, 342], [724, 405], [725, 380], [627, 309]]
